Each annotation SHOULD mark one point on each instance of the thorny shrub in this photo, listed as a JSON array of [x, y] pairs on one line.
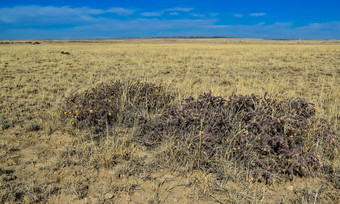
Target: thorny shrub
[[268, 136], [122, 103]]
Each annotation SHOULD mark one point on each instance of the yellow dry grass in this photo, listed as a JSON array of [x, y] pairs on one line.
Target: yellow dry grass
[[35, 76], [35, 79]]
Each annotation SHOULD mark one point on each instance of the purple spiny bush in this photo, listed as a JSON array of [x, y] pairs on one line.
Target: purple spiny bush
[[269, 137], [266, 135]]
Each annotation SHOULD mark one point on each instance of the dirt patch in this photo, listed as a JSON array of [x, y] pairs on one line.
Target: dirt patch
[[29, 168]]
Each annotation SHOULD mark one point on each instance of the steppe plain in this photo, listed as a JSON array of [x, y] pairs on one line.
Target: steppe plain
[[35, 145]]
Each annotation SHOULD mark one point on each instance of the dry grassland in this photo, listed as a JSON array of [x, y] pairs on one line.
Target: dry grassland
[[41, 160]]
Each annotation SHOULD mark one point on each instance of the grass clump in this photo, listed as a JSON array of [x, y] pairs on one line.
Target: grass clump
[[116, 103], [103, 118], [265, 136]]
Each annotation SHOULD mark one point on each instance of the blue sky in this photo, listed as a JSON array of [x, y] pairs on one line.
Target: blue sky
[[84, 19]]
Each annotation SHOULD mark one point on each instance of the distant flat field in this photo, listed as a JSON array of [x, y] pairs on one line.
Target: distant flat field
[[37, 75]]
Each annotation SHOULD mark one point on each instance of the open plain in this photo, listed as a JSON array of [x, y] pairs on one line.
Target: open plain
[[42, 159]]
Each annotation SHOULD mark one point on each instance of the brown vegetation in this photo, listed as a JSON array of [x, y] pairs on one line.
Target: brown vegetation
[[170, 120]]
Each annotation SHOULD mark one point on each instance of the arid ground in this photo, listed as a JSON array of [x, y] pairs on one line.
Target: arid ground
[[43, 159]]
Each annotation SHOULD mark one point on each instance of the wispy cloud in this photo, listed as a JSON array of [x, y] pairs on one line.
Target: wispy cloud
[[37, 15], [279, 30], [171, 10], [197, 15], [110, 28], [31, 11], [121, 11], [213, 14], [179, 9], [258, 14], [159, 13], [34, 22], [238, 15]]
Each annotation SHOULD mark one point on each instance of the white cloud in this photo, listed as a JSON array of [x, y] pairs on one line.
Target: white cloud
[[158, 25], [121, 11], [179, 9], [197, 15], [159, 13], [31, 13], [172, 10], [33, 22], [110, 28], [258, 14], [279, 30], [214, 14], [174, 14], [238, 15]]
